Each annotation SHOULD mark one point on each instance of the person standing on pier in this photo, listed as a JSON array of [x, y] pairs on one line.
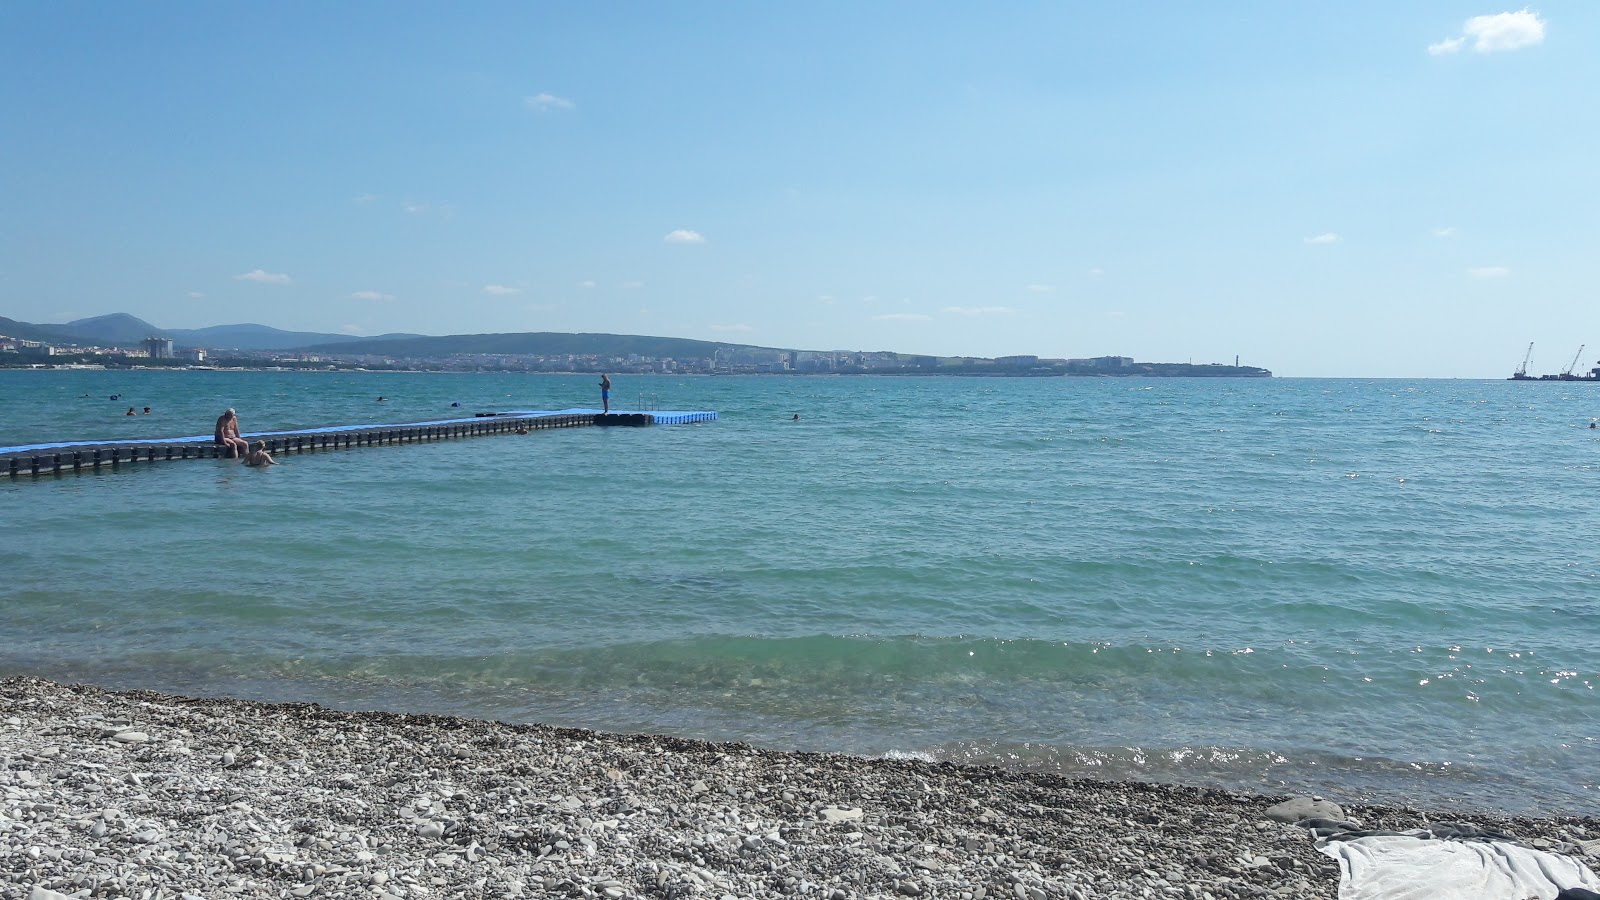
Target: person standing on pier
[[605, 392], [227, 435]]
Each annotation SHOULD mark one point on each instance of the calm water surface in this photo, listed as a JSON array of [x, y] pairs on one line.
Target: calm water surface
[[1383, 589]]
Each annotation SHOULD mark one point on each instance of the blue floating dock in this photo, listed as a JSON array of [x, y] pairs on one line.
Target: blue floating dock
[[75, 456]]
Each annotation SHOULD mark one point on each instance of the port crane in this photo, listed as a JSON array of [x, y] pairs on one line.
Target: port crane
[[1522, 370], [1574, 363]]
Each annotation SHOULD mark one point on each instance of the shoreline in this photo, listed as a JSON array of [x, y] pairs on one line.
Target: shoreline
[[119, 792]]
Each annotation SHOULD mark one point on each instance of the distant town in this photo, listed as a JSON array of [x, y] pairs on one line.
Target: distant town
[[534, 352]]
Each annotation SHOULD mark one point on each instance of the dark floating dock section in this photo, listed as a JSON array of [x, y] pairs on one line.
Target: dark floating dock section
[[80, 456]]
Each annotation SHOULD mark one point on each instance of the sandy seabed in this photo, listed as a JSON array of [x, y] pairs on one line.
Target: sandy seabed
[[144, 795]]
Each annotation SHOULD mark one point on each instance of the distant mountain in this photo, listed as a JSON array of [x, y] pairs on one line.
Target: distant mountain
[[262, 337], [123, 330], [545, 343], [115, 330], [27, 332]]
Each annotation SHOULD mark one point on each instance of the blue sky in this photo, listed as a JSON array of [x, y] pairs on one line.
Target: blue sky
[[1353, 189]]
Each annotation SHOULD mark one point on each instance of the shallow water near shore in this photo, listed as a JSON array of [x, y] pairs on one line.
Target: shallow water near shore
[[1376, 589]]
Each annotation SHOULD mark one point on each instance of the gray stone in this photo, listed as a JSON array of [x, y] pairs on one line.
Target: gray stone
[[1297, 808]]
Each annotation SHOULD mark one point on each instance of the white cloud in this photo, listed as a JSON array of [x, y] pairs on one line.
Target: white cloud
[[371, 295], [196, 295], [261, 276], [543, 102], [1447, 231], [1039, 288], [416, 209], [1325, 238], [500, 290], [739, 327], [632, 285], [1495, 34], [826, 299], [1488, 271], [364, 199], [978, 310], [586, 284], [684, 236], [1097, 271], [351, 329], [901, 317]]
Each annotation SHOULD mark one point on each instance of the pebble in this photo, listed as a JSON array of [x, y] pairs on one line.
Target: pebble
[[316, 802]]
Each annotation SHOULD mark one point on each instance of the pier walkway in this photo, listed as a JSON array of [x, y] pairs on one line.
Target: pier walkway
[[79, 456]]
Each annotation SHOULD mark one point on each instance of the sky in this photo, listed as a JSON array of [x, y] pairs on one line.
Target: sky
[[1353, 189]]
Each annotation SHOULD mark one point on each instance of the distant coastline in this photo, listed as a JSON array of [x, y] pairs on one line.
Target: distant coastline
[[122, 341], [1140, 370]]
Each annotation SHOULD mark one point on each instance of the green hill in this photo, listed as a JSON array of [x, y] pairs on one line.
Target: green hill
[[544, 343]]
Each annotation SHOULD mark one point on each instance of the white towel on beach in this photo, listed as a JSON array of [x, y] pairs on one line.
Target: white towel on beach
[[1406, 867]]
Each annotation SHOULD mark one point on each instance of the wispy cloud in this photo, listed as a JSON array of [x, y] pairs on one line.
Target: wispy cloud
[[978, 310], [196, 295], [364, 199], [901, 317], [632, 285], [1097, 272], [737, 327], [587, 284], [500, 290], [1324, 238], [684, 236], [416, 209], [261, 276], [1039, 288], [1447, 231], [374, 296], [1488, 271], [543, 102], [356, 330], [1495, 34]]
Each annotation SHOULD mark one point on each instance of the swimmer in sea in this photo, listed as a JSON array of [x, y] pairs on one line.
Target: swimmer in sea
[[130, 412], [258, 456]]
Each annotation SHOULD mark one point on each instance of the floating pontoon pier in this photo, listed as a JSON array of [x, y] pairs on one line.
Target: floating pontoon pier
[[79, 456]]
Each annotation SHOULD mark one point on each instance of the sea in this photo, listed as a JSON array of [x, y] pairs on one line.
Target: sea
[[1372, 590]]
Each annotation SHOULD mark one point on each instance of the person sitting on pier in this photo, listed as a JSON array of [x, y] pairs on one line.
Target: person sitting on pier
[[227, 435], [258, 456]]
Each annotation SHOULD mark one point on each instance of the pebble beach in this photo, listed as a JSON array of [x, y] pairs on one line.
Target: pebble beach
[[144, 795]]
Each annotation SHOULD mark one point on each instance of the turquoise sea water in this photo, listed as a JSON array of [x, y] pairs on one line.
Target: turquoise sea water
[[1380, 589]]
